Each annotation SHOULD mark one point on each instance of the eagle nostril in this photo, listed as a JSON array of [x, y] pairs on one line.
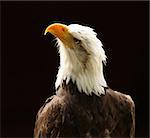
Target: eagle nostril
[[63, 29]]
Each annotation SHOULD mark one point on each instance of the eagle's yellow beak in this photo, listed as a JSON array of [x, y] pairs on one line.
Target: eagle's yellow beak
[[60, 31]]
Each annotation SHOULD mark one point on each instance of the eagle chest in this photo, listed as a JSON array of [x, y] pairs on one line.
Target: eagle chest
[[85, 117]]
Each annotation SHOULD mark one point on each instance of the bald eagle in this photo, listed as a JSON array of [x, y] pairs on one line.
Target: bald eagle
[[84, 105]]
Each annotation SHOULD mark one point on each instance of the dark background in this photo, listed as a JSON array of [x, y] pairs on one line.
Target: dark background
[[30, 61]]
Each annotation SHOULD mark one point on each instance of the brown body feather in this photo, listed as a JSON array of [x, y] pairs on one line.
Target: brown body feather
[[70, 113]]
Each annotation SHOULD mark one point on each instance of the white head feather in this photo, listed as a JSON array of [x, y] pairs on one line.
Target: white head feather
[[84, 63]]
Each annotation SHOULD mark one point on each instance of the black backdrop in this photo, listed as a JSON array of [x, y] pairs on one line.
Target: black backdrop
[[30, 61]]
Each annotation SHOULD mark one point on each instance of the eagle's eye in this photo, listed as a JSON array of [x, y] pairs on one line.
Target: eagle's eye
[[77, 41]]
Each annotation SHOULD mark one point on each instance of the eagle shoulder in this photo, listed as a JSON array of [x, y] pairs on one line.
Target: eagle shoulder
[[124, 110], [50, 118], [124, 100]]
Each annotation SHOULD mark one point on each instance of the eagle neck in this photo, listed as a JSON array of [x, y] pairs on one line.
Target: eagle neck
[[88, 78]]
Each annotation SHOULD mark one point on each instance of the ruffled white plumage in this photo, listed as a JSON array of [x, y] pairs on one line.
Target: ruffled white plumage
[[89, 79]]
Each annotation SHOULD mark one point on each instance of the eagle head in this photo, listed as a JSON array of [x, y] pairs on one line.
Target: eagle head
[[81, 57]]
